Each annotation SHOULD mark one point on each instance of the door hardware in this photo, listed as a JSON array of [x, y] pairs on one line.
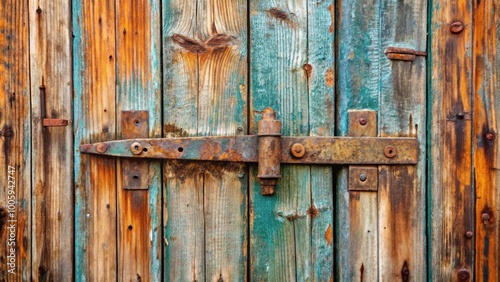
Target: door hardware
[[49, 122], [403, 54], [268, 148]]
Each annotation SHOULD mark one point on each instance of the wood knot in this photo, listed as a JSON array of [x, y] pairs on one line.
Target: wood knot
[[215, 42]]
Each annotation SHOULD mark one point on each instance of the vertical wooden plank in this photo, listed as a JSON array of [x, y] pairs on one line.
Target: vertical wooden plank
[[222, 110], [321, 84], [52, 171], [486, 154], [95, 120], [15, 145], [183, 195], [358, 71], [401, 216], [280, 225], [451, 199], [139, 88], [205, 54]]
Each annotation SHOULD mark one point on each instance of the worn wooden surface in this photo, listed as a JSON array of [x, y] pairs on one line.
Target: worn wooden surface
[[205, 94], [359, 52], [95, 120], [52, 169], [15, 146], [485, 138], [401, 199], [451, 197], [138, 75], [292, 70]]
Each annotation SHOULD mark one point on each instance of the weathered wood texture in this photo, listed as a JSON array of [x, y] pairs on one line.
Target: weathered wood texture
[[205, 212], [486, 81], [95, 120], [15, 146], [52, 168], [451, 198], [358, 71], [138, 76], [292, 70], [402, 191]]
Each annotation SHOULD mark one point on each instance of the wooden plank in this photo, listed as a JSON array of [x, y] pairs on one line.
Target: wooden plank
[[451, 198], [138, 77], [401, 201], [95, 120], [486, 154], [183, 219], [222, 110], [15, 145], [321, 88], [359, 53], [52, 170], [280, 226]]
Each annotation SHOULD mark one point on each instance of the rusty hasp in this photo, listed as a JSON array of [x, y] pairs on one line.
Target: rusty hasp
[[268, 148]]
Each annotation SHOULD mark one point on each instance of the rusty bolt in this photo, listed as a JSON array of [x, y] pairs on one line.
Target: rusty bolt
[[390, 151], [469, 234], [101, 148], [363, 121], [485, 216], [456, 27], [298, 150], [363, 177], [463, 274], [136, 148], [490, 136]]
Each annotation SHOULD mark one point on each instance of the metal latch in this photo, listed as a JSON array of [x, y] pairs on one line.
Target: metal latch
[[403, 54], [268, 148]]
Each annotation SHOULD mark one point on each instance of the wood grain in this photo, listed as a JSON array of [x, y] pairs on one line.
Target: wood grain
[[138, 74], [451, 199], [205, 213], [15, 136], [52, 170], [401, 199], [359, 52], [486, 154], [95, 120]]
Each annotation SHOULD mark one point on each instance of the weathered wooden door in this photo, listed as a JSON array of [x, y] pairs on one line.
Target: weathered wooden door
[[88, 72]]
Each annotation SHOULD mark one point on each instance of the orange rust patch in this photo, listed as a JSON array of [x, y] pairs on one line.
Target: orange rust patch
[[313, 211], [330, 77], [280, 15], [329, 235], [332, 13]]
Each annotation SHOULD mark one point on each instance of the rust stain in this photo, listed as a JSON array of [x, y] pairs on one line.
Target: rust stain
[[330, 77], [281, 15], [329, 235], [172, 129], [308, 70], [331, 8], [313, 211]]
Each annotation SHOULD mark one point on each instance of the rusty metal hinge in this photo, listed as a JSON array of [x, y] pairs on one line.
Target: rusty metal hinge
[[268, 148], [403, 54]]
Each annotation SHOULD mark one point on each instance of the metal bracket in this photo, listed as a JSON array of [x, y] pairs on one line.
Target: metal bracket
[[403, 54], [49, 122], [269, 149], [135, 173]]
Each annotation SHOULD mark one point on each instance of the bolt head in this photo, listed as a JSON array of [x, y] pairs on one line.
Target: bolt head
[[363, 121], [390, 151], [469, 234], [490, 136], [457, 27], [101, 148], [298, 150], [363, 177]]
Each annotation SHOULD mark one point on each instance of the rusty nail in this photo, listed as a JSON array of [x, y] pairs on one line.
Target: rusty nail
[[456, 27], [298, 150], [363, 121], [460, 115], [363, 177], [390, 151], [468, 234], [485, 216], [136, 148], [130, 227], [490, 135], [240, 128], [38, 10], [463, 274], [101, 148]]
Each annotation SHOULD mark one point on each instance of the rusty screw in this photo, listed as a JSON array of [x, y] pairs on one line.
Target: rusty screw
[[463, 274], [363, 177], [456, 27], [136, 148], [485, 216], [298, 150], [101, 148], [469, 234], [490, 136], [390, 151], [363, 121]]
